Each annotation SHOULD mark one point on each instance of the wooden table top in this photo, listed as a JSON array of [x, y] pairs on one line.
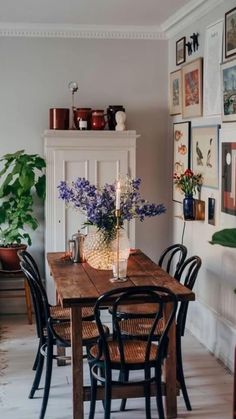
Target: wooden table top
[[80, 284]]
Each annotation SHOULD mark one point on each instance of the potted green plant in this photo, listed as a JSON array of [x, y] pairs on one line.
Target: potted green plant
[[22, 178]]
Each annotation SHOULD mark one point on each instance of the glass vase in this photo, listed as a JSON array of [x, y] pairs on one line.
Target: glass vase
[[189, 207], [121, 249], [100, 252], [97, 250]]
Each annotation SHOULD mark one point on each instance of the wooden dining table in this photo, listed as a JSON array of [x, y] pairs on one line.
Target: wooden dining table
[[79, 285]]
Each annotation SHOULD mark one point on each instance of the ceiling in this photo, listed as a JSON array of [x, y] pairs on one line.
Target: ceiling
[[90, 12]]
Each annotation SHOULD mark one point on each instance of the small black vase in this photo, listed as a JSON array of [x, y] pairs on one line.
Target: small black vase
[[189, 207]]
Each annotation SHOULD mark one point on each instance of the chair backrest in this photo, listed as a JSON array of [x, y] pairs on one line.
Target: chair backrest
[[149, 294], [30, 263], [29, 260], [39, 295], [187, 275], [172, 258]]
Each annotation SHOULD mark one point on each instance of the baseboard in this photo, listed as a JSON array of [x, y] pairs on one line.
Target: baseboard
[[215, 332]]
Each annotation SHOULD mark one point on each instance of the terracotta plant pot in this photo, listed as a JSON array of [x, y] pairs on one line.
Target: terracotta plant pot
[[9, 258]]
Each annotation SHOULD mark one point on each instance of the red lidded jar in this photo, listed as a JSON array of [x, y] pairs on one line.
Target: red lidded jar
[[98, 119]]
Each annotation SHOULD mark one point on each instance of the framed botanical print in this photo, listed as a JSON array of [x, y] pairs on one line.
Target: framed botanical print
[[181, 51], [192, 88], [175, 100], [181, 153], [228, 182], [228, 102], [230, 33], [205, 154]]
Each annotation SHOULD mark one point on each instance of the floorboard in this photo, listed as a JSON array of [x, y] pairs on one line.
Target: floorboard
[[210, 385]]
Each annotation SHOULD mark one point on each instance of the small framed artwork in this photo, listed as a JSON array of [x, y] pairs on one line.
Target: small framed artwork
[[181, 153], [230, 33], [175, 100], [205, 154], [192, 88], [228, 91], [228, 184], [211, 211], [181, 51]]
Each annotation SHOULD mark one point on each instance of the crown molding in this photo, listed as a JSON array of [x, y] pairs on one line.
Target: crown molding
[[186, 15], [37, 30]]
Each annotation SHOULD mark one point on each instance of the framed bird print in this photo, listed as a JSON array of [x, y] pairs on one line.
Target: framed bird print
[[205, 154], [181, 153], [192, 88]]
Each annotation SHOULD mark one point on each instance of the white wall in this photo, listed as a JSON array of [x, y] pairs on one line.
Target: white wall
[[34, 76], [212, 317]]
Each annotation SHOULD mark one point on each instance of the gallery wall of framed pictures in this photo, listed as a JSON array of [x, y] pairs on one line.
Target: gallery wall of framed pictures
[[206, 87]]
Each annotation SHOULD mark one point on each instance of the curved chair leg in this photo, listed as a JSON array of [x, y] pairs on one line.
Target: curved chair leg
[[37, 357], [38, 375], [180, 373], [124, 376], [159, 395], [147, 395], [107, 404], [147, 401], [48, 377], [93, 394]]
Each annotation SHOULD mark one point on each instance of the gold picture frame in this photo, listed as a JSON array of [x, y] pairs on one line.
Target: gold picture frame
[[192, 88], [175, 98]]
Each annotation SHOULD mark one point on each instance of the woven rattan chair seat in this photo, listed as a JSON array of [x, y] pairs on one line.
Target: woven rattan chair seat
[[134, 351], [136, 309], [90, 330], [60, 313], [87, 312], [140, 326]]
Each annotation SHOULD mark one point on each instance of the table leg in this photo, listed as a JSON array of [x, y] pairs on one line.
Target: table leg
[[170, 370], [77, 362]]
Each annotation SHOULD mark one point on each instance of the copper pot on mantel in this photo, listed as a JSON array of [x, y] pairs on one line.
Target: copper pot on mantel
[[59, 118]]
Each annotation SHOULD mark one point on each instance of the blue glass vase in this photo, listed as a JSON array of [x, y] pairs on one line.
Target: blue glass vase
[[189, 207]]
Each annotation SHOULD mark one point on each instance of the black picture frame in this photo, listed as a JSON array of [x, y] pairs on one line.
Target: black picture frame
[[181, 50], [230, 33]]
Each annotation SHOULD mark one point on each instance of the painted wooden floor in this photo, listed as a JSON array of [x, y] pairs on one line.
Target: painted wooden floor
[[210, 384]]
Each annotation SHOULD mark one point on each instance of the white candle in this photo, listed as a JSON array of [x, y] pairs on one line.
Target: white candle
[[118, 196]]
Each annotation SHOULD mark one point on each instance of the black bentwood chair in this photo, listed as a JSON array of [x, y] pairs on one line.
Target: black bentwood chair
[[138, 326], [53, 333], [57, 312], [118, 354], [173, 258], [171, 261]]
